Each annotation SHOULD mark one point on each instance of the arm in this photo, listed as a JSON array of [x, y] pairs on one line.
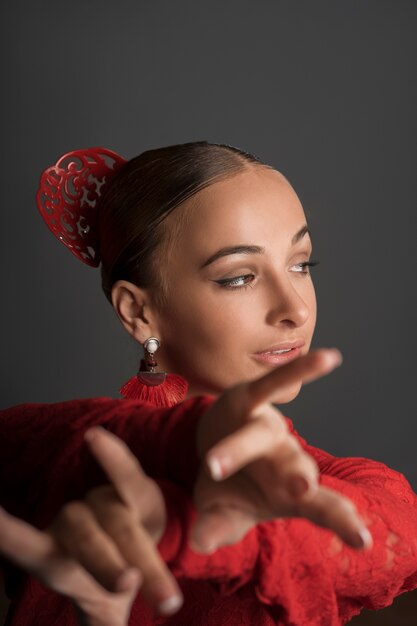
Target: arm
[[239, 418], [42, 446], [280, 557], [44, 462]]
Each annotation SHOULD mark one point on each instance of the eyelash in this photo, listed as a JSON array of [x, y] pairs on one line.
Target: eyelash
[[230, 283]]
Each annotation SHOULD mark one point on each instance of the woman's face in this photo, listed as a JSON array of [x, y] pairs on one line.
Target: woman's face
[[238, 289]]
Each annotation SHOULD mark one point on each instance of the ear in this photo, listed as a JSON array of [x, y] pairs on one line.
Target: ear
[[133, 307]]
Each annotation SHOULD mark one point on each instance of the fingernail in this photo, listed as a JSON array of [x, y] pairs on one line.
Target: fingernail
[[215, 468], [338, 355], [362, 538], [170, 605], [89, 435], [366, 537]]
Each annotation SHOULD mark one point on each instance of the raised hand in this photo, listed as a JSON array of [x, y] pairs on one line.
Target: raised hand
[[255, 469], [100, 551]]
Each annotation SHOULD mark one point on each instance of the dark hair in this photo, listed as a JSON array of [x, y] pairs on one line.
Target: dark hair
[[141, 195]]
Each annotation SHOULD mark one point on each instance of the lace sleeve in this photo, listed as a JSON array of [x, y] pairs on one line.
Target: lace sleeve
[[292, 564], [308, 570], [45, 462]]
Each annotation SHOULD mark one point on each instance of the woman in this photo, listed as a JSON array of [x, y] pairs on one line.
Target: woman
[[205, 256]]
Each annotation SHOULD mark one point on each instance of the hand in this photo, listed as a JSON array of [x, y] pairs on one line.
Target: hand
[[101, 551], [262, 469]]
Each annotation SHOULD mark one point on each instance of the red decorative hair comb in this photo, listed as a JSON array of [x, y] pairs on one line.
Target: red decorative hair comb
[[68, 197]]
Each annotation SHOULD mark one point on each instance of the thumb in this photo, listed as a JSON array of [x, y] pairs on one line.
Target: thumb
[[219, 526]]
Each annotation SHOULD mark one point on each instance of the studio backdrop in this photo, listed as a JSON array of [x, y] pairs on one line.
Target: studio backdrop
[[324, 91]]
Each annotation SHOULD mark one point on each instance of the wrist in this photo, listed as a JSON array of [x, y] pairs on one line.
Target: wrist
[[180, 514]]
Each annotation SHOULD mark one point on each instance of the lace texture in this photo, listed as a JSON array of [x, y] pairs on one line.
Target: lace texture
[[287, 572]]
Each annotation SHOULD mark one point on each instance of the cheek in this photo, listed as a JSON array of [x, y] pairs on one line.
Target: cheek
[[209, 340], [211, 327]]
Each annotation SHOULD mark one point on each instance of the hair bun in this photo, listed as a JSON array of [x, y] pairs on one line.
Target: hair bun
[[68, 197]]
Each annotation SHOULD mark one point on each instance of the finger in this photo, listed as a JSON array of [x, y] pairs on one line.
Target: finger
[[38, 553], [120, 465], [219, 526], [110, 609], [253, 440], [78, 533], [331, 510], [128, 581], [284, 463], [159, 586], [24, 545], [304, 369]]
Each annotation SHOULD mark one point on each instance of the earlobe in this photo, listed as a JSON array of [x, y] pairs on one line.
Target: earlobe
[[132, 308]]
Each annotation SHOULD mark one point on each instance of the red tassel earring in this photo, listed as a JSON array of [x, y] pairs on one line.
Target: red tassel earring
[[157, 388]]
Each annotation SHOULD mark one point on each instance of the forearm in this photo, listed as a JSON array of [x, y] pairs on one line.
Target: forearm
[[44, 459], [163, 439]]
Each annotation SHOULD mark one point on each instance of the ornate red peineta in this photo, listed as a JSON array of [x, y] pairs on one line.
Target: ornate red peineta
[[68, 196]]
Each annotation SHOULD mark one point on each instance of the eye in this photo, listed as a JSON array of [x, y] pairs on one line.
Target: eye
[[237, 281], [303, 268]]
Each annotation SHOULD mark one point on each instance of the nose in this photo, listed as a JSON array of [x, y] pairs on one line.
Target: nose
[[287, 306]]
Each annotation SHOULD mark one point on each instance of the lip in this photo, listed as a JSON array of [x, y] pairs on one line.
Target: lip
[[267, 356]]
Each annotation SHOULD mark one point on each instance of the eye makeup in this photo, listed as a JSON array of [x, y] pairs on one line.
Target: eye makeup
[[246, 280]]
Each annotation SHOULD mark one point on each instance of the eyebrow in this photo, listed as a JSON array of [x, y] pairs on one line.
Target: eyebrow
[[251, 249], [303, 231]]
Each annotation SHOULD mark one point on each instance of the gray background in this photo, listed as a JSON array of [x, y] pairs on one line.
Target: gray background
[[325, 91]]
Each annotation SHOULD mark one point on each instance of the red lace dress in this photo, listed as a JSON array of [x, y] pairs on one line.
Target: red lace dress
[[285, 572]]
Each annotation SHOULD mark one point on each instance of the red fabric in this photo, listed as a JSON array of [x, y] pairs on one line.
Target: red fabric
[[286, 572]]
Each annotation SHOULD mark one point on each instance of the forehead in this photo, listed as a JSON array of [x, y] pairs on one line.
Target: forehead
[[257, 206]]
